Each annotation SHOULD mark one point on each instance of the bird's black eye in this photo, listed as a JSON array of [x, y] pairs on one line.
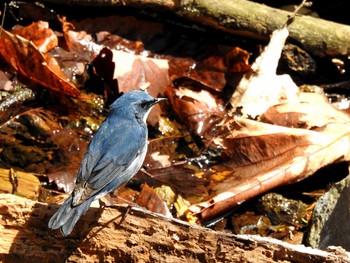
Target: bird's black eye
[[144, 104]]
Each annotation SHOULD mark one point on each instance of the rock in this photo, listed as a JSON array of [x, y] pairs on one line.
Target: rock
[[329, 224]]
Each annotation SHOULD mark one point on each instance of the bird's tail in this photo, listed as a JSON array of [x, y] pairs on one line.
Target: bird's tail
[[67, 215]]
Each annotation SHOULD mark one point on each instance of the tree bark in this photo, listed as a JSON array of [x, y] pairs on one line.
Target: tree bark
[[246, 18], [100, 236]]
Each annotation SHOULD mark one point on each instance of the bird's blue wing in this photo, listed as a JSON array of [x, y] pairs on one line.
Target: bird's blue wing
[[108, 157]]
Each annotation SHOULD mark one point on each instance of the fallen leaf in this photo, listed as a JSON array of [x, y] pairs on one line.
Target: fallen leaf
[[312, 112], [125, 71], [40, 34], [79, 42], [262, 88], [179, 178], [88, 37], [64, 179], [200, 110], [149, 199], [5, 82], [261, 156], [233, 60], [164, 165], [34, 140], [40, 68]]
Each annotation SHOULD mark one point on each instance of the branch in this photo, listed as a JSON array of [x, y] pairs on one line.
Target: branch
[[246, 18], [142, 237]]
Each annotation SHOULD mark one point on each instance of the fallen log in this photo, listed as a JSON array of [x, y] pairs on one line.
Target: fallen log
[[246, 18], [100, 236]]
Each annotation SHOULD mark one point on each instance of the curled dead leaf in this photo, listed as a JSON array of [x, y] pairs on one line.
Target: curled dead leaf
[[40, 34], [40, 68]]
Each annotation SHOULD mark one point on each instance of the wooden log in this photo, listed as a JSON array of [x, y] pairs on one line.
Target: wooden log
[[246, 18], [20, 183], [100, 236]]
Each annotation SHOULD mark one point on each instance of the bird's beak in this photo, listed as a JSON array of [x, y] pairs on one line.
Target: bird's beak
[[157, 100], [150, 103]]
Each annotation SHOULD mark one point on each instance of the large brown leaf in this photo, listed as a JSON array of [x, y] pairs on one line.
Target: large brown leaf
[[41, 68], [261, 156]]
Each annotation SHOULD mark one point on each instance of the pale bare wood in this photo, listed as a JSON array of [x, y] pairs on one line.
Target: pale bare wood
[[141, 237], [21, 183]]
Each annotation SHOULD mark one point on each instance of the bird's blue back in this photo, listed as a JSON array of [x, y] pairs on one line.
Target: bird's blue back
[[118, 142]]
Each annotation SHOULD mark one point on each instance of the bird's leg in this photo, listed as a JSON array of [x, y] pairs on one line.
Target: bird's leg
[[99, 209], [128, 208]]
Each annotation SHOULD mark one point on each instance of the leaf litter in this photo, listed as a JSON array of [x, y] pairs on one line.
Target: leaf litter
[[209, 151]]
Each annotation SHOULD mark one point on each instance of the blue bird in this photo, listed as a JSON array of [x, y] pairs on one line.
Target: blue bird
[[113, 157]]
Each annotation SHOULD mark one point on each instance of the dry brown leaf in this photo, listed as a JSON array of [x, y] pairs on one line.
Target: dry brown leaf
[[180, 178], [211, 73], [132, 72], [197, 94], [161, 152], [200, 110], [35, 140], [40, 34], [234, 60], [41, 68], [139, 72], [5, 82], [262, 156], [81, 43], [164, 168], [259, 90], [306, 134], [149, 199], [312, 112], [87, 37]]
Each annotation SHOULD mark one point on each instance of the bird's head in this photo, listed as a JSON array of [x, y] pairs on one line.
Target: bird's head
[[136, 102]]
